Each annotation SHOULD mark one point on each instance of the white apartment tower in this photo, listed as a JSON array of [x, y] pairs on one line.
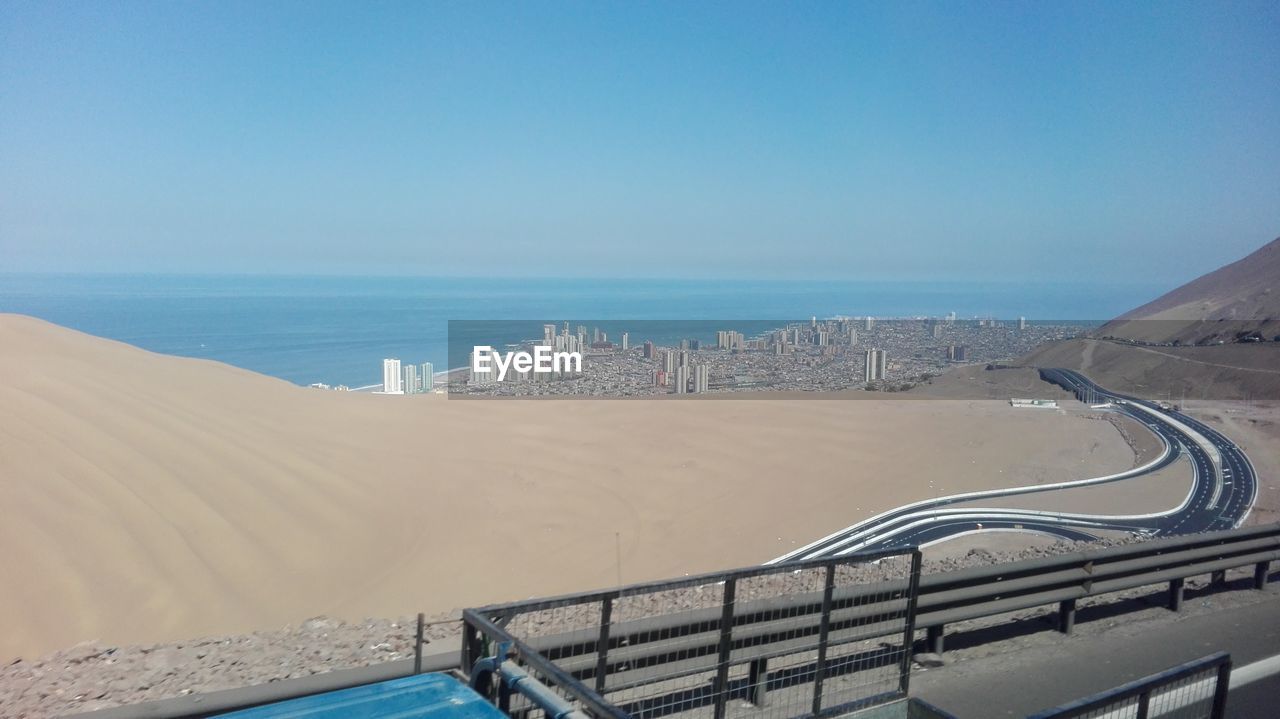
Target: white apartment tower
[[410, 374], [391, 377], [876, 363]]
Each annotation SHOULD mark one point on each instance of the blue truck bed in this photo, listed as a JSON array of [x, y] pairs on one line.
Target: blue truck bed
[[437, 696]]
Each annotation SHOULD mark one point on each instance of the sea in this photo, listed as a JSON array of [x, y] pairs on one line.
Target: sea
[[337, 330]]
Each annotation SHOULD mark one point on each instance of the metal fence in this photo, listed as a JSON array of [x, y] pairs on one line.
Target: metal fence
[[803, 639], [1195, 690]]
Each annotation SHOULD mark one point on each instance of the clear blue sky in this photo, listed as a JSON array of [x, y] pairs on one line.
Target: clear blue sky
[[833, 140]]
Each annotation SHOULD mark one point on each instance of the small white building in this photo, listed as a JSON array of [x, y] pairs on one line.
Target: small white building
[[1035, 403]]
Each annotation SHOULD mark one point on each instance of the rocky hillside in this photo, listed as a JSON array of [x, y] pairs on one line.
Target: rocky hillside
[[1238, 302]]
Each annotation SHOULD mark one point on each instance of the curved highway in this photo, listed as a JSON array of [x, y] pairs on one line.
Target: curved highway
[[1223, 490]]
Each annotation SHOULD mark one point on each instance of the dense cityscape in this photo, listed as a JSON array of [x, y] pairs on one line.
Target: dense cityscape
[[821, 355]]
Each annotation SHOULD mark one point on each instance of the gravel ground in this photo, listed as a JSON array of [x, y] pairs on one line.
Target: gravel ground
[[94, 676]]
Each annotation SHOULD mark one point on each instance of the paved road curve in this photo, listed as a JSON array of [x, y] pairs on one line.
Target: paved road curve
[[1222, 492]]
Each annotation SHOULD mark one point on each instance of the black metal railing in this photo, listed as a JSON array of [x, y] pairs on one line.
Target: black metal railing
[[1195, 690], [809, 638]]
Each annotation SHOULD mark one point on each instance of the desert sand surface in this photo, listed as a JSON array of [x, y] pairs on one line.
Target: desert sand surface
[[1255, 427], [149, 498]]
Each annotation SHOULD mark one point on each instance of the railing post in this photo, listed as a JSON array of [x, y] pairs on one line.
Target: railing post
[[470, 645], [820, 667], [1218, 578], [1144, 705], [758, 681], [1220, 691], [1066, 615], [504, 694], [602, 644], [726, 645], [1260, 571], [933, 638], [909, 622], [1175, 594], [417, 645]]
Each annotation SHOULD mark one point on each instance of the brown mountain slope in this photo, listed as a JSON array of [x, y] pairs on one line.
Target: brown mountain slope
[[1239, 298]]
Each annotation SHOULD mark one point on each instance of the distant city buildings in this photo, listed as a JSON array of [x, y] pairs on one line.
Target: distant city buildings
[[819, 355], [391, 377], [730, 340], [409, 384], [427, 382], [877, 361], [682, 380]]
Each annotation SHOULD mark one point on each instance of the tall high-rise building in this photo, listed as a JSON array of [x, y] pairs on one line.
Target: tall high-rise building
[[853, 336], [410, 379], [871, 322], [951, 318], [548, 334], [683, 358], [391, 377], [877, 361], [700, 377], [428, 381], [682, 380], [626, 341], [957, 353], [478, 378], [668, 361], [820, 338], [648, 349], [1022, 323]]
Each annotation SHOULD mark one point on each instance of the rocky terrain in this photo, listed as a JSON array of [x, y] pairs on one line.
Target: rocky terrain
[[96, 676]]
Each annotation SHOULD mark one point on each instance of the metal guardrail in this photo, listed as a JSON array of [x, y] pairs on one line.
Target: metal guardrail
[[1064, 579], [659, 648], [943, 599], [1195, 690]]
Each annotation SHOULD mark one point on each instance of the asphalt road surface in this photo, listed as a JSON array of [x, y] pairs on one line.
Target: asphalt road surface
[[1223, 490]]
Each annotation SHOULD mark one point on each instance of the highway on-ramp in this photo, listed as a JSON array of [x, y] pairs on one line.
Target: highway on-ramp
[[1223, 490]]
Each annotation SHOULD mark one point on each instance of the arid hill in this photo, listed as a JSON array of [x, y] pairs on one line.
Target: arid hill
[[1239, 300], [146, 497]]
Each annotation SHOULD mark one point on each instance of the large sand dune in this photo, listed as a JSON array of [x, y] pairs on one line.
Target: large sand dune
[[148, 497]]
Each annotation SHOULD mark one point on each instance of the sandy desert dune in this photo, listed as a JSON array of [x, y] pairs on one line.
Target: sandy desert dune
[[149, 497]]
